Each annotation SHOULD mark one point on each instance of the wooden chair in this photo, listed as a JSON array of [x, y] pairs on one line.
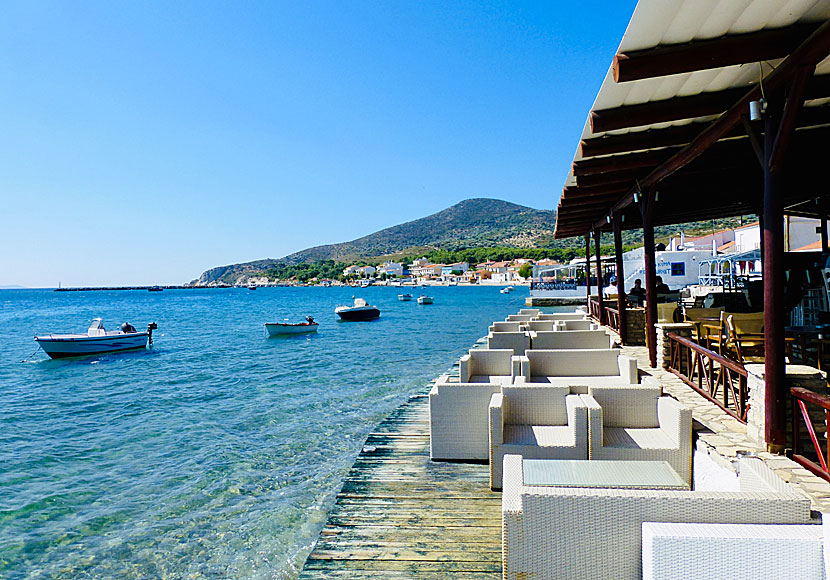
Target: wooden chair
[[715, 334], [699, 317], [746, 336]]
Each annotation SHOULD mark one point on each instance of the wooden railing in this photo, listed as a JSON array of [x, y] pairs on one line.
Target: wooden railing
[[593, 306], [612, 315], [719, 379], [612, 318], [821, 418]]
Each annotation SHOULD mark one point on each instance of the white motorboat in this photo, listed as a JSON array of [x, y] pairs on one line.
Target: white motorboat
[[505, 290], [251, 286], [286, 328], [422, 299], [359, 311], [97, 340], [405, 297]]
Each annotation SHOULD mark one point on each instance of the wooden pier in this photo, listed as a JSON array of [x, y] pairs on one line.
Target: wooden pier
[[400, 515]]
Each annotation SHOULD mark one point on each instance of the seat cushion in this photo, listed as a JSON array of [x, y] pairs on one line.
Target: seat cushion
[[496, 379], [633, 438], [539, 435]]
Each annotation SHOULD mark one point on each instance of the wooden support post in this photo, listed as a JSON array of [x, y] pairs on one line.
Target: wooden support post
[[775, 391], [588, 271], [623, 317], [600, 285], [647, 209]]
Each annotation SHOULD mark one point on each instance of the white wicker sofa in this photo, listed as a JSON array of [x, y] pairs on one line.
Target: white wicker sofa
[[518, 342], [575, 367], [563, 316], [576, 325], [638, 423], [536, 422], [596, 533], [570, 339], [458, 419], [673, 551]]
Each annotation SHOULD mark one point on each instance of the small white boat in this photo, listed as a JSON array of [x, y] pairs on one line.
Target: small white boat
[[504, 291], [405, 297], [424, 299], [359, 311], [287, 328], [251, 286], [97, 340]]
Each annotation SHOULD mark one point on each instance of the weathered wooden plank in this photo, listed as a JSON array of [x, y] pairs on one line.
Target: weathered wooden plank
[[413, 566], [400, 515]]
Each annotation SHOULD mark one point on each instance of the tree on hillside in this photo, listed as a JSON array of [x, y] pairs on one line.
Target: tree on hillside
[[526, 270]]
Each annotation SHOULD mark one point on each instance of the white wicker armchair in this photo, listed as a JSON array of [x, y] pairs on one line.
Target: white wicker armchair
[[484, 365], [637, 423], [538, 423], [458, 420], [596, 534]]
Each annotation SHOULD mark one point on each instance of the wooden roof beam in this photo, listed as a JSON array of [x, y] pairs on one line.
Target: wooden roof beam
[[678, 135], [624, 162], [708, 54], [595, 191], [815, 49], [675, 109]]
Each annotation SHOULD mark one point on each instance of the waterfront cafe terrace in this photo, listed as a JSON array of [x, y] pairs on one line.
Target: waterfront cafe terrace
[[711, 110]]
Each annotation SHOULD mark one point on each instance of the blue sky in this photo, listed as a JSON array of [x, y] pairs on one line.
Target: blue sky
[[144, 142]]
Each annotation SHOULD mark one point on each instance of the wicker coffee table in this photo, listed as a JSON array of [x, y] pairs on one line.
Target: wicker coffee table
[[601, 474]]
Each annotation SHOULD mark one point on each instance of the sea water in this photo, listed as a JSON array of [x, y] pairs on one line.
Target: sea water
[[217, 452]]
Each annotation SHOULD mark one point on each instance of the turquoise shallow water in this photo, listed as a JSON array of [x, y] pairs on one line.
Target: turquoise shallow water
[[216, 453]]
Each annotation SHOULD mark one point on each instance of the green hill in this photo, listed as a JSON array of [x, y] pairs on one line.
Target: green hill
[[473, 223], [468, 224]]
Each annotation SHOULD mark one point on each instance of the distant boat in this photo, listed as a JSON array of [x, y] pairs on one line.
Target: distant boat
[[96, 340], [405, 297], [284, 328], [155, 289], [505, 291], [424, 299], [251, 286], [359, 311]]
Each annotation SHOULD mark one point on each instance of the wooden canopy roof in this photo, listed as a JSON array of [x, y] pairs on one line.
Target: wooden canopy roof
[[672, 114]]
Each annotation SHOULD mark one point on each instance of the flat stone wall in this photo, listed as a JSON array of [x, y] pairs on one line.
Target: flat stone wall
[[796, 376], [636, 324]]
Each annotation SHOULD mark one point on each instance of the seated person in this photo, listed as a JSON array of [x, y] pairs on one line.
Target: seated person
[[662, 287], [610, 291], [637, 294]]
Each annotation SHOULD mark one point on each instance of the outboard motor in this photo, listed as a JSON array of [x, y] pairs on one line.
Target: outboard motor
[[150, 328], [127, 327]]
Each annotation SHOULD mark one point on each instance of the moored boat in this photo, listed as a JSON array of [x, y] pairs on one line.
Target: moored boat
[[287, 328], [155, 289], [360, 310], [405, 297], [422, 299], [97, 340]]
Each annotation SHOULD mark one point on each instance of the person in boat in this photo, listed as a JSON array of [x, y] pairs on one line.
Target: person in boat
[[637, 294], [127, 328], [309, 320]]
